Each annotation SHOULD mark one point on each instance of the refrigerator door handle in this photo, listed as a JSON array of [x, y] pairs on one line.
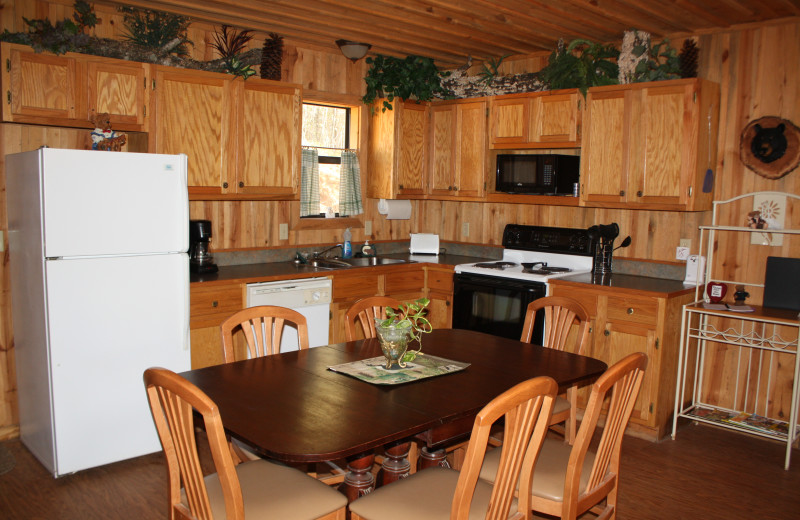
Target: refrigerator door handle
[[185, 331]]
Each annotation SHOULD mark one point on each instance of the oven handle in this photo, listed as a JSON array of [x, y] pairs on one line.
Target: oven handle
[[496, 281]]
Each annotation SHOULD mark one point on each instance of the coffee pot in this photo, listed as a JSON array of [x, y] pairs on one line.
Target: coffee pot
[[200, 259]]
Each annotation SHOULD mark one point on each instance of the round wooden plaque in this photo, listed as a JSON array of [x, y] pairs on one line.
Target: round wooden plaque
[[770, 146]]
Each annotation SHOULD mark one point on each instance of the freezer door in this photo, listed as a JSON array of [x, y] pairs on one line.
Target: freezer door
[[113, 203], [110, 319]]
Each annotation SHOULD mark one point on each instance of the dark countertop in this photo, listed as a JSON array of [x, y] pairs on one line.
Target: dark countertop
[[251, 273], [628, 283]]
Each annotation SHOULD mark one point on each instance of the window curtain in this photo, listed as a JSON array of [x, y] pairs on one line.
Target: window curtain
[[309, 183], [350, 185]]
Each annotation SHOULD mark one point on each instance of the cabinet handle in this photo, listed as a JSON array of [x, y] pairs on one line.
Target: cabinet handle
[[224, 184], [621, 193], [606, 333], [630, 310], [215, 303], [8, 64], [8, 96], [241, 184], [447, 303], [639, 193], [401, 186], [590, 330]]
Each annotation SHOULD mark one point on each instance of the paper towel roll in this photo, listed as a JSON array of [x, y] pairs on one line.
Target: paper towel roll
[[395, 209]]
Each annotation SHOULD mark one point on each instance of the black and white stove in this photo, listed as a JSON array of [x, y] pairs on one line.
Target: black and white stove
[[493, 297], [538, 254]]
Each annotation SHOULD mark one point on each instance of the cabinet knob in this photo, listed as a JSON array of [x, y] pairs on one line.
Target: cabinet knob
[[401, 186], [241, 184], [621, 193], [224, 184], [447, 303], [639, 193], [215, 303], [630, 310], [606, 333]]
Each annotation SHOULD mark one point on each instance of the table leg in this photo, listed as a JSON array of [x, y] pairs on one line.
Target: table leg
[[395, 465], [359, 480], [429, 459]]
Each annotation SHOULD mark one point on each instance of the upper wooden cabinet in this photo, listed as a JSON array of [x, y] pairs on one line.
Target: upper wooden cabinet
[[536, 120], [68, 90], [118, 88], [649, 145], [398, 151], [192, 114], [242, 137], [458, 149]]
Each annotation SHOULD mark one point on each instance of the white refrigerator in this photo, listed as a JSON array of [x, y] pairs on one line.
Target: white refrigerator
[[100, 291]]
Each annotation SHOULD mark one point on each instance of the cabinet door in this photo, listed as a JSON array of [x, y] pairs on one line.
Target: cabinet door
[[412, 159], [40, 88], [120, 90], [471, 152], [603, 158], [268, 138], [193, 116], [509, 121], [661, 173], [443, 122], [555, 119]]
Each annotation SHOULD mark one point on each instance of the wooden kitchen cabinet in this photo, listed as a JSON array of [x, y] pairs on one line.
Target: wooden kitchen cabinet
[[458, 149], [119, 88], [398, 151], [649, 145], [210, 305], [439, 289], [627, 322], [549, 119]]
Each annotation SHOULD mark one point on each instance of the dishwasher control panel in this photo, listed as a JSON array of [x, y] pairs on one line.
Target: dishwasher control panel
[[290, 293]]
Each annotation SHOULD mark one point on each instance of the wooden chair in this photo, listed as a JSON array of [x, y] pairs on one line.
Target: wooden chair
[[559, 315], [440, 493], [570, 480], [263, 329], [255, 489], [365, 311]]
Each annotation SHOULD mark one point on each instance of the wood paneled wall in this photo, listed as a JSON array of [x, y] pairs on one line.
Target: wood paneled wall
[[755, 66]]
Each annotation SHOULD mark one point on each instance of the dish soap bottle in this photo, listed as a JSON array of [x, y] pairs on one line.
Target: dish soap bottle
[[347, 247]]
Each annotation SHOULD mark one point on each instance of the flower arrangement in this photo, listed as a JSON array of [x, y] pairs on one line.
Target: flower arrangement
[[411, 315]]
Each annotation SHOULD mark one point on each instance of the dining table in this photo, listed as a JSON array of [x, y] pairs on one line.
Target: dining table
[[292, 408]]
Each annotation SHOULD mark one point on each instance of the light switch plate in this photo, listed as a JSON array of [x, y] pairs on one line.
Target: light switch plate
[[283, 231], [465, 229], [368, 228]]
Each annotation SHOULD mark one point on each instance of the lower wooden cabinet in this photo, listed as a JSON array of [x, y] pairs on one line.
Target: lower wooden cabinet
[[209, 305], [623, 322]]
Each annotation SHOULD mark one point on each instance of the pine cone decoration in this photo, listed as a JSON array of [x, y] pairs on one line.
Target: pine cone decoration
[[271, 57], [688, 58]]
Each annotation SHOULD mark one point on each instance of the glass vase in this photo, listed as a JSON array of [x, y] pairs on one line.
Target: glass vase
[[394, 342]]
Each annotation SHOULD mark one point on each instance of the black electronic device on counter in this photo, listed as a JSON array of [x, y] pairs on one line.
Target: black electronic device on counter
[[538, 174], [200, 258], [782, 283]]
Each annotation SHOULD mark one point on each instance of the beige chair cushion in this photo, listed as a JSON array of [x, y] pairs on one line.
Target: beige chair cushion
[[550, 470], [274, 491], [560, 405], [427, 494]]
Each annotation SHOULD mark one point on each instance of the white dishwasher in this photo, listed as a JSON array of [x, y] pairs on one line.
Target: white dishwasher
[[311, 297]]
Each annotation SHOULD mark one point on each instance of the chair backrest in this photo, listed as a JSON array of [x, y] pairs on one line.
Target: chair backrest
[[263, 329], [526, 408], [623, 380], [559, 315], [365, 311], [172, 400]]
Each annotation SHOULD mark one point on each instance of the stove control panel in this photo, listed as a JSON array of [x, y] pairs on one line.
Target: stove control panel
[[568, 241]]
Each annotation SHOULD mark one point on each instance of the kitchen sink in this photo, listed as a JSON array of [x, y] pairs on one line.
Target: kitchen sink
[[328, 263], [373, 260]]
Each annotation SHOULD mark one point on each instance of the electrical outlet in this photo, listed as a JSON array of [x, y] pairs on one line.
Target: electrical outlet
[[682, 253], [685, 242], [283, 232], [368, 228], [465, 229]]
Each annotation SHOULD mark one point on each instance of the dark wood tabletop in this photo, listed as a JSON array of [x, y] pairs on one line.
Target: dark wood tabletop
[[291, 408]]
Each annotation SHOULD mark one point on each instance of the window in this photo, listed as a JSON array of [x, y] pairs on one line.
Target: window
[[327, 128]]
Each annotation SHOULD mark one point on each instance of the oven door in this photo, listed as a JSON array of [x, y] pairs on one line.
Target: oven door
[[495, 305]]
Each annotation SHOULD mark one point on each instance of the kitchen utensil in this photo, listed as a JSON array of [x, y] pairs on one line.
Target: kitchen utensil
[[625, 243]]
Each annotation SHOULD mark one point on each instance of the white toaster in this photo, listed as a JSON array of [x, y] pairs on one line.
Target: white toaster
[[424, 244]]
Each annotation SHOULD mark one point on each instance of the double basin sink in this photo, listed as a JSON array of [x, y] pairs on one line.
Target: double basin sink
[[345, 263]]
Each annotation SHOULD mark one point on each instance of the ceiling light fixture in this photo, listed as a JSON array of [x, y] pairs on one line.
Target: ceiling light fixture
[[353, 50]]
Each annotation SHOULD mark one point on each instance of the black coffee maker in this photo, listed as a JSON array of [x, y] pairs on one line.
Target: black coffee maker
[[200, 259]]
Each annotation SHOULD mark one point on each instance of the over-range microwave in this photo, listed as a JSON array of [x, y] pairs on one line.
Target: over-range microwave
[[543, 174]]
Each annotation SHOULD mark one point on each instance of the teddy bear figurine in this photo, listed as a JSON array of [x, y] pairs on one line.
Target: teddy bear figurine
[[103, 137]]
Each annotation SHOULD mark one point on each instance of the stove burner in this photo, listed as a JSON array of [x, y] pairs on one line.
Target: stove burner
[[495, 265]]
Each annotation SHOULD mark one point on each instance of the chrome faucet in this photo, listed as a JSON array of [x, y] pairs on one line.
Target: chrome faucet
[[320, 254]]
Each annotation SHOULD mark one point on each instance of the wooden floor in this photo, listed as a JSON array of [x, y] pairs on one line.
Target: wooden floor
[[707, 473]]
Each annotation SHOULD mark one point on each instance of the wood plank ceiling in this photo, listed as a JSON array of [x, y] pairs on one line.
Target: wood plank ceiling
[[451, 30]]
